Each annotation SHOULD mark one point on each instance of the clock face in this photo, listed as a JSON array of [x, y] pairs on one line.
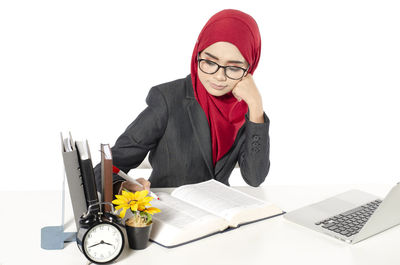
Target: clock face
[[103, 242]]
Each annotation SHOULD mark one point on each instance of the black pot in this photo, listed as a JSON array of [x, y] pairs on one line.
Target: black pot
[[138, 237]]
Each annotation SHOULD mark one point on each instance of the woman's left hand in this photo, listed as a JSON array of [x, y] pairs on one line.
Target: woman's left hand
[[247, 90]]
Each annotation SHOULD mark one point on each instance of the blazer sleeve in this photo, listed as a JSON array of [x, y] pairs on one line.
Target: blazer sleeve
[[140, 137], [253, 159]]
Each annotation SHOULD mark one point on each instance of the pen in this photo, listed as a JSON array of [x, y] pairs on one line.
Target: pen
[[126, 177]]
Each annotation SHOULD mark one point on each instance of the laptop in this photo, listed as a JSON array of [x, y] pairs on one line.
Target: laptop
[[351, 216]]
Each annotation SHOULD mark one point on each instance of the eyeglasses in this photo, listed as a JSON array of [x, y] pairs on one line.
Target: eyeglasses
[[232, 72]]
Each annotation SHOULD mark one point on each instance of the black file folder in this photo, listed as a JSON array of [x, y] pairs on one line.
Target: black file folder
[[87, 173]]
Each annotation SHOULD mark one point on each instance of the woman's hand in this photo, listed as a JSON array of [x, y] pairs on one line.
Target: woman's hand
[[134, 187], [247, 90]]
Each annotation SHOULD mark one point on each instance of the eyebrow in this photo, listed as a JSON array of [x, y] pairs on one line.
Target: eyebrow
[[216, 58]]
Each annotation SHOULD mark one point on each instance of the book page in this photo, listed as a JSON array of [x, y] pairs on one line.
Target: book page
[[179, 222], [219, 199], [176, 212]]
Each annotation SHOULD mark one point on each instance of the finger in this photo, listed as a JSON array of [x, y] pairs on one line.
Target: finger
[[124, 186], [131, 186], [146, 184], [236, 96]]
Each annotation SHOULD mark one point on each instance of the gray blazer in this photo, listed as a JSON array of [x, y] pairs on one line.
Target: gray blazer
[[175, 130]]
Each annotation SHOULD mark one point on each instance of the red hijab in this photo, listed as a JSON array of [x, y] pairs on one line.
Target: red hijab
[[225, 114]]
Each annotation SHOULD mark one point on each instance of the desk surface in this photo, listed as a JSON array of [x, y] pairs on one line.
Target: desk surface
[[273, 241]]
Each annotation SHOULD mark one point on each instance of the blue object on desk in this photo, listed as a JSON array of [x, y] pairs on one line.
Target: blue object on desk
[[54, 237]]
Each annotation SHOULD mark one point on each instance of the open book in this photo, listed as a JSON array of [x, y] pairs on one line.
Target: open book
[[195, 211]]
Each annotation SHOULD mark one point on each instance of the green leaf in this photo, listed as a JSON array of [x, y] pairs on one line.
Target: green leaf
[[149, 218], [143, 214]]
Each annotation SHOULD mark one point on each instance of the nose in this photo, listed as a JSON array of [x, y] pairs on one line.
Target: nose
[[220, 74]]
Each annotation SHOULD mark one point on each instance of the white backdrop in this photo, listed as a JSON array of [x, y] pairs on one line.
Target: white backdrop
[[328, 75]]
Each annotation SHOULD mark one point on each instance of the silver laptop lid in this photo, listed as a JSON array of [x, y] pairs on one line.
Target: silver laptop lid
[[385, 216]]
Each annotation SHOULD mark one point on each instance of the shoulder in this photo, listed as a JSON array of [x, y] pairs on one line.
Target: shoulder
[[174, 83], [175, 88], [171, 92]]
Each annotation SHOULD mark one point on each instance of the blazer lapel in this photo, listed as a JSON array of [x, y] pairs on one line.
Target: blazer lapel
[[200, 126], [221, 163]]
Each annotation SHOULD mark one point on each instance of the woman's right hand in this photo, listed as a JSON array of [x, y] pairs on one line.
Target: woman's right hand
[[134, 187]]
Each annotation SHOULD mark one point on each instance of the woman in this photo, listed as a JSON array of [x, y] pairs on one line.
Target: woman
[[198, 127]]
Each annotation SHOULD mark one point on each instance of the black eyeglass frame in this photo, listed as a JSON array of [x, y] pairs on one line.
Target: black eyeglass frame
[[245, 70]]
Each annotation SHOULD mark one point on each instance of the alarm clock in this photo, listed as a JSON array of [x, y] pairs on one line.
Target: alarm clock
[[100, 237]]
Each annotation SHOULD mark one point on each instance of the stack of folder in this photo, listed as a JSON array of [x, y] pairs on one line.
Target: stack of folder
[[81, 179]]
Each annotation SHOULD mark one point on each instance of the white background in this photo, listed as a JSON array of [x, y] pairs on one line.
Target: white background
[[328, 75]]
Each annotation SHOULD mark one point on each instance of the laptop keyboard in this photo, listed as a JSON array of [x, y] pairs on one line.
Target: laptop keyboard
[[350, 222]]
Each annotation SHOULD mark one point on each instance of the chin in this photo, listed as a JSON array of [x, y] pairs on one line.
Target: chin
[[217, 93]]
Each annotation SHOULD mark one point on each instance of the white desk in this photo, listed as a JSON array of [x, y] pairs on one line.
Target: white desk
[[273, 241]]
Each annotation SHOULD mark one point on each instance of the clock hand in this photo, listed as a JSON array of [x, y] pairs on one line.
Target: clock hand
[[101, 242], [96, 244]]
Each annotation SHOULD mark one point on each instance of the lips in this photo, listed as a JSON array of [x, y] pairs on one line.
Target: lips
[[217, 86]]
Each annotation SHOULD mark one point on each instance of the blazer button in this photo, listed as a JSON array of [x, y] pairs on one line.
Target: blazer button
[[255, 149]]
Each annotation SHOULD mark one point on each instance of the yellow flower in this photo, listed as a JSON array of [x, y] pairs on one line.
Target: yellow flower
[[124, 202], [142, 200], [152, 210], [135, 202]]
